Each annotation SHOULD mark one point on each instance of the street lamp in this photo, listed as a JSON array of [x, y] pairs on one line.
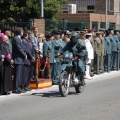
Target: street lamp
[[42, 8], [106, 15]]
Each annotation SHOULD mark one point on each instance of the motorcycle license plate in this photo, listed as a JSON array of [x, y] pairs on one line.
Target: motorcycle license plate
[[66, 60]]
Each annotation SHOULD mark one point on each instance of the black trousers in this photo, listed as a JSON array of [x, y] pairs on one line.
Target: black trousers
[[17, 76], [26, 69], [30, 75], [1, 79]]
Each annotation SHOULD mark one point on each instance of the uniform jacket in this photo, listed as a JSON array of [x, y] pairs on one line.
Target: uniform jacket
[[35, 43], [89, 49], [27, 50], [56, 52], [17, 50], [48, 46], [31, 47], [113, 43], [108, 45], [117, 43], [99, 46]]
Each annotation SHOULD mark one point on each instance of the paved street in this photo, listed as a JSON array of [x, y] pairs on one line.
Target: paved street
[[100, 100]]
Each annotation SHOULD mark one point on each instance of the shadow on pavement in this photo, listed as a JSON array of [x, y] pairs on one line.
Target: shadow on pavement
[[52, 94]]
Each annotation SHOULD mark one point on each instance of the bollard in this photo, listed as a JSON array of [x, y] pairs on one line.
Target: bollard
[[97, 64], [36, 70]]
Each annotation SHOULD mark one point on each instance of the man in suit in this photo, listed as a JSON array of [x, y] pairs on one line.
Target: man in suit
[[32, 50], [27, 62], [35, 38], [18, 56]]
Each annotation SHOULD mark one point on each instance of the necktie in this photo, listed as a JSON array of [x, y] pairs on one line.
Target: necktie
[[30, 45]]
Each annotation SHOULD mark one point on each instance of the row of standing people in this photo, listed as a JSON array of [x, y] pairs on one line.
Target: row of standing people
[[17, 59], [21, 55]]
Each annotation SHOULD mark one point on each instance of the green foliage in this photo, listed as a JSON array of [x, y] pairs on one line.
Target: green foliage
[[22, 10]]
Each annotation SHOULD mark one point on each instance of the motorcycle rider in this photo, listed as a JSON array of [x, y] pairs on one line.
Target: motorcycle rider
[[77, 48]]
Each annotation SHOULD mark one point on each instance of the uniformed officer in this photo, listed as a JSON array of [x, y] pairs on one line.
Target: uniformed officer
[[48, 51], [92, 43], [107, 51], [99, 52], [90, 52], [114, 50], [116, 32], [57, 50], [82, 37], [102, 30], [75, 46], [62, 42]]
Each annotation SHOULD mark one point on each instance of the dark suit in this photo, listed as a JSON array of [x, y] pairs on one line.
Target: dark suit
[[18, 56], [32, 51], [27, 63]]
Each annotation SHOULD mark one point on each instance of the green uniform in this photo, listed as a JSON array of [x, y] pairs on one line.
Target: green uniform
[[114, 52], [99, 53], [57, 63], [118, 50], [107, 54], [48, 47], [80, 63]]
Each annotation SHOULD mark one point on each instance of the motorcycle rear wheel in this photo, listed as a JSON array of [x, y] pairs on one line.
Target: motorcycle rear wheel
[[79, 88]]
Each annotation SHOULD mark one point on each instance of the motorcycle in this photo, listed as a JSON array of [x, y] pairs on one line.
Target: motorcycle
[[70, 76]]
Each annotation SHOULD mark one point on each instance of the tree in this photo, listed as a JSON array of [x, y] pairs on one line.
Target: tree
[[22, 10]]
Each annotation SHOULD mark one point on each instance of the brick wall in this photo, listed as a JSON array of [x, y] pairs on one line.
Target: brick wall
[[40, 23], [87, 17]]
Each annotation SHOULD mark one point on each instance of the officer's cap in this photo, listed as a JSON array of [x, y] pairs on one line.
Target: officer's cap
[[110, 29], [49, 35], [98, 33], [57, 33], [82, 32], [92, 30], [67, 33], [77, 32], [74, 34], [102, 30], [62, 32], [85, 29], [89, 34]]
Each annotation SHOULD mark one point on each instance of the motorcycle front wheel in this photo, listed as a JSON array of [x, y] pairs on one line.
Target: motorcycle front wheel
[[64, 83]]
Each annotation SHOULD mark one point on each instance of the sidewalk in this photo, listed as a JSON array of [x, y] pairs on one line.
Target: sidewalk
[[96, 78]]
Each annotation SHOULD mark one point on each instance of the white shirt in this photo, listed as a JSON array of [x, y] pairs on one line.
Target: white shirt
[[41, 47], [89, 49]]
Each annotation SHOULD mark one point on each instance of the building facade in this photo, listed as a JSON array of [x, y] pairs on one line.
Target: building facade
[[92, 11]]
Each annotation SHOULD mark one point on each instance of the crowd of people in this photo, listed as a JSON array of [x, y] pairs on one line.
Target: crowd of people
[[17, 56]]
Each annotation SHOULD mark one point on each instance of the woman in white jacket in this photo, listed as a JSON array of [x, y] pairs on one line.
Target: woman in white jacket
[[89, 49]]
